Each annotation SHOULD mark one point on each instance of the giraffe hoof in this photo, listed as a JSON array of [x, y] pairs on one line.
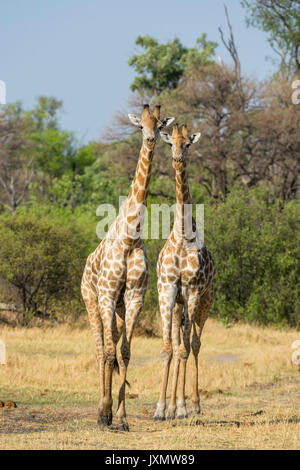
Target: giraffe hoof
[[104, 420], [159, 414], [181, 413], [195, 408], [159, 418], [171, 413], [123, 426], [183, 416]]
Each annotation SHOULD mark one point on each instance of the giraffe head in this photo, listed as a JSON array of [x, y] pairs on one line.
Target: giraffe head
[[180, 142], [150, 124]]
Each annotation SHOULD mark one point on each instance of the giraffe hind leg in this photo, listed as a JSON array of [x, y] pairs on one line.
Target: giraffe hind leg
[[191, 306], [167, 296], [91, 302], [205, 305], [133, 306], [120, 320]]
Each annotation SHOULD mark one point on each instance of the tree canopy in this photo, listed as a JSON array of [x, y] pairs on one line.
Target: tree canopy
[[280, 19], [161, 66]]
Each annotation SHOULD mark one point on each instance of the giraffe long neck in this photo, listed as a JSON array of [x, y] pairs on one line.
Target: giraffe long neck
[[137, 198], [140, 184], [183, 223]]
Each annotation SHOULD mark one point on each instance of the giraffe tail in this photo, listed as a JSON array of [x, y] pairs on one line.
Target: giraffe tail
[[117, 369]]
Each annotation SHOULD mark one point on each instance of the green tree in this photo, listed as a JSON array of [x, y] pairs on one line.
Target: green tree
[[45, 114], [43, 260], [16, 161], [161, 66], [255, 246], [86, 156], [280, 19], [54, 149]]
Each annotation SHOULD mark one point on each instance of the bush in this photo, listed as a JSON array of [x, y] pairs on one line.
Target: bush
[[44, 261], [256, 247]]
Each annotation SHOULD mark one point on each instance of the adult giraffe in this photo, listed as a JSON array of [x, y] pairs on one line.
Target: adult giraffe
[[115, 277], [185, 273]]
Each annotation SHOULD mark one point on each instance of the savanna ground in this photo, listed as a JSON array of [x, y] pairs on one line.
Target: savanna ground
[[250, 392]]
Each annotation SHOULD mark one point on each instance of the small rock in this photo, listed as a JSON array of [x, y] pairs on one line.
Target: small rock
[[131, 395], [10, 404]]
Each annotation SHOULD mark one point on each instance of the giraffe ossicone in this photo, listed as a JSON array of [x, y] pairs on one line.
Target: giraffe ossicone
[[115, 276]]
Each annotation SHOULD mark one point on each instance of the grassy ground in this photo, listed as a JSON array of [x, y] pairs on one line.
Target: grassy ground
[[250, 392]]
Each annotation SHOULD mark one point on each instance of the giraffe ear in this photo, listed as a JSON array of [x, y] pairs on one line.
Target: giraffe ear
[[166, 138], [135, 120], [166, 122], [194, 138]]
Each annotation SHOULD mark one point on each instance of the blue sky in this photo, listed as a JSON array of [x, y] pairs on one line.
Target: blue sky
[[78, 50]]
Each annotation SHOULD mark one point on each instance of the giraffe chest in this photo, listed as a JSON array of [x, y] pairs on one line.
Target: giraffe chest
[[106, 270], [184, 267], [192, 267], [120, 267], [137, 268], [197, 268]]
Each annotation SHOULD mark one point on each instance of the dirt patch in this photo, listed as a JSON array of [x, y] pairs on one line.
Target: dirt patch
[[25, 420], [230, 423], [227, 358], [277, 383], [143, 361]]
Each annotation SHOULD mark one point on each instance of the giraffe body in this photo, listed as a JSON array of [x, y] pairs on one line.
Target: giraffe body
[[115, 277], [185, 272]]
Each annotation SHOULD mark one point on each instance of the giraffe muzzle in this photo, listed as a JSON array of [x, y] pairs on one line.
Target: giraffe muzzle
[[150, 142], [177, 159]]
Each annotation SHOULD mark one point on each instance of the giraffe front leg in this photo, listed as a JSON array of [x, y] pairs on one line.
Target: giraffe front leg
[[181, 411], [91, 302], [176, 322], [167, 294], [133, 304]]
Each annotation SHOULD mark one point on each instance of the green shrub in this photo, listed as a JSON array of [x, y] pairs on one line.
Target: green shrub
[[44, 261], [256, 247]]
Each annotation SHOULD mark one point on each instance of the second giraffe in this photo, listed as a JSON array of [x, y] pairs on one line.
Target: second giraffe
[[185, 271]]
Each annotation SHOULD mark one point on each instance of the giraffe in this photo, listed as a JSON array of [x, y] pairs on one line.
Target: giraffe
[[185, 272], [115, 276]]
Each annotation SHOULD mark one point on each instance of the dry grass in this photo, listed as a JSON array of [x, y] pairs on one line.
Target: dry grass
[[251, 402]]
